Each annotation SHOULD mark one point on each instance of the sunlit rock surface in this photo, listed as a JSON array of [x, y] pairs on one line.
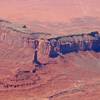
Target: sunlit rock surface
[[76, 76]]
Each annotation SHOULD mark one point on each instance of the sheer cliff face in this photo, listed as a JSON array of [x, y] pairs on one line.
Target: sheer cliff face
[[15, 48], [14, 51], [10, 33], [74, 75]]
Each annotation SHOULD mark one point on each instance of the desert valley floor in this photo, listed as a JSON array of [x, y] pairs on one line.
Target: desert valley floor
[[77, 76], [74, 77]]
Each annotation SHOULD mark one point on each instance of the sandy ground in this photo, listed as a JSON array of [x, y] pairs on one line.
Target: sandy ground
[[76, 77]]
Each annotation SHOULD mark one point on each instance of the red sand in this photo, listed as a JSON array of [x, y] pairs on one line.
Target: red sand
[[75, 77]]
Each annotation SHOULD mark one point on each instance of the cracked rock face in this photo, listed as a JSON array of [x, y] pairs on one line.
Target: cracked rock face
[[76, 76]]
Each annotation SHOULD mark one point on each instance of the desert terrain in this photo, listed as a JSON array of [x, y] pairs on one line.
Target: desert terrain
[[76, 76]]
